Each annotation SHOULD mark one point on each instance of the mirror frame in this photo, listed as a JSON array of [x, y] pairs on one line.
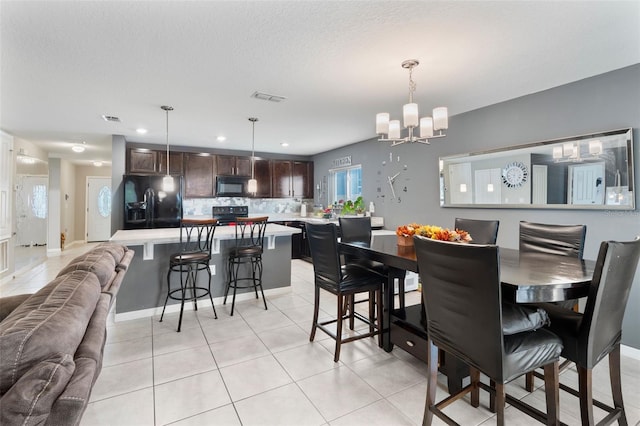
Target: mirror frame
[[514, 174]]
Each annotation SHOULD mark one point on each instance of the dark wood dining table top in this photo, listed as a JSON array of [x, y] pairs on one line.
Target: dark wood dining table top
[[525, 277]]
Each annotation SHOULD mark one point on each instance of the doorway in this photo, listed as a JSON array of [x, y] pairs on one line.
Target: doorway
[[98, 209], [31, 219]]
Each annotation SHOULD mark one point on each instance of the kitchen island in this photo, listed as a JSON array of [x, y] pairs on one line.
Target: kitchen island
[[145, 286]]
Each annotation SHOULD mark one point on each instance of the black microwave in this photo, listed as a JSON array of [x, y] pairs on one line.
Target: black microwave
[[232, 186]]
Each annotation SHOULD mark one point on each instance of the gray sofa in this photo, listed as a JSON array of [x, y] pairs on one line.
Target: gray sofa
[[52, 341]]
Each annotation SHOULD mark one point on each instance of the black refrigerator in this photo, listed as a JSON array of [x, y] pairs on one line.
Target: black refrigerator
[[146, 205]]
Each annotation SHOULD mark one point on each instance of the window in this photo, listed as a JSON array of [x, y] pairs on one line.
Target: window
[[345, 184]]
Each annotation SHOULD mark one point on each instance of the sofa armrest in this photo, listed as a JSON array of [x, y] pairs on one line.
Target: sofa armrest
[[9, 303]]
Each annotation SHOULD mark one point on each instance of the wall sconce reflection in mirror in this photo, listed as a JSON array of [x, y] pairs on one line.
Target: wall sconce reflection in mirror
[[593, 171]]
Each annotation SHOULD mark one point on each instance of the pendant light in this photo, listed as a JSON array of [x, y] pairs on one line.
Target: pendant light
[[253, 183], [167, 181]]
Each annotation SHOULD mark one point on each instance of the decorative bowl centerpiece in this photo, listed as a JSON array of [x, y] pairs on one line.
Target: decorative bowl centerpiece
[[405, 234]]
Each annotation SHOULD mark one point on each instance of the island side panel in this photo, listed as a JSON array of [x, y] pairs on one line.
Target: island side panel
[[145, 285]]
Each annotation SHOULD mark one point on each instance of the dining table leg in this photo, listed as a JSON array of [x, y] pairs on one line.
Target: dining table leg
[[389, 304]]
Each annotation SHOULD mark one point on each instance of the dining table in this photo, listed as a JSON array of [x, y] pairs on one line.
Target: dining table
[[526, 277]]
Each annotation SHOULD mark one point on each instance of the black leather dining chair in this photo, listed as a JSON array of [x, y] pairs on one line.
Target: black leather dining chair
[[588, 338], [562, 240], [481, 231], [358, 229], [196, 239], [245, 258], [464, 317], [344, 281]]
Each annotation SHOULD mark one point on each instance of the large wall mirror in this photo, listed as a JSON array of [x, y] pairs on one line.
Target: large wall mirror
[[582, 172]]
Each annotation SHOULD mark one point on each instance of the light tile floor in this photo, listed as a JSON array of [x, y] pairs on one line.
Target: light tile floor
[[259, 368]]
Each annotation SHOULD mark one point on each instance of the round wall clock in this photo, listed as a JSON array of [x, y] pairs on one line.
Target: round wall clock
[[514, 174]]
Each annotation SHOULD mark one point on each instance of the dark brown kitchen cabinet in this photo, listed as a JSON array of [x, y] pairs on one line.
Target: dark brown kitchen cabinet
[[175, 163], [199, 176], [281, 178], [292, 179], [262, 173], [143, 161], [302, 179], [229, 165]]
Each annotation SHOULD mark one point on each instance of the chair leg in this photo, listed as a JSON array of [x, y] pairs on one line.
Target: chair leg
[[259, 264], [228, 286], [474, 375], [236, 269], [616, 383], [432, 383], [552, 392], [193, 275], [316, 308], [336, 356], [586, 395], [492, 397], [529, 379], [215, 314], [183, 289], [166, 299], [254, 266], [500, 403], [352, 306]]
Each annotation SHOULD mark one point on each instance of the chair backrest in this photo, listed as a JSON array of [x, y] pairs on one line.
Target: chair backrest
[[601, 326], [250, 231], [323, 244], [563, 240], [462, 296], [481, 231], [196, 235], [355, 229]]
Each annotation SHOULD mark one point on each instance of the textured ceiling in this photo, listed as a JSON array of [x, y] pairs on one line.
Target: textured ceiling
[[64, 64]]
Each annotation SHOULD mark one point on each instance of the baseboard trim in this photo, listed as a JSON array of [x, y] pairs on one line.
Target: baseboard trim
[[151, 312]]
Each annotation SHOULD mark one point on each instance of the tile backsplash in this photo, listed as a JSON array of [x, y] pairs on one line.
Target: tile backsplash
[[202, 206]]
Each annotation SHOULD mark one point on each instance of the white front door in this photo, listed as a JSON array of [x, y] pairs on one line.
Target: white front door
[[98, 208], [31, 210]]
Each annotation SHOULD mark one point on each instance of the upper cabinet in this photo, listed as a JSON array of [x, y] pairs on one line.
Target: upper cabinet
[[175, 163], [142, 160], [302, 179], [229, 165], [292, 179], [262, 173], [199, 176]]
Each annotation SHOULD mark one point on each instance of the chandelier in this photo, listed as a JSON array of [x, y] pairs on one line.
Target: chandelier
[[391, 128]]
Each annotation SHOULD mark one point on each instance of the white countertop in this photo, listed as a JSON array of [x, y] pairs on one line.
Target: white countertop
[[172, 235], [147, 238], [376, 221]]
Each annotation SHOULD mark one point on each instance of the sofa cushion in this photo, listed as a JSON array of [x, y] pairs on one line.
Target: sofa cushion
[[100, 263], [9, 303], [51, 321], [116, 250], [30, 399]]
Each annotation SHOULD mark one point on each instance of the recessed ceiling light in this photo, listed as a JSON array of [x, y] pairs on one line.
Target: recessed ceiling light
[[285, 144], [141, 131], [221, 138], [78, 148], [97, 163]]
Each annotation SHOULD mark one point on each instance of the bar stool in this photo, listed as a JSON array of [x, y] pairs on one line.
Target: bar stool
[[246, 254], [196, 239]]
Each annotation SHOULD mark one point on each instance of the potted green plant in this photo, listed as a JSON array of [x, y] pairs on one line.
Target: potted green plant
[[358, 206]]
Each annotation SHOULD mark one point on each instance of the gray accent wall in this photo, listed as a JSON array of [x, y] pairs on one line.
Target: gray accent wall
[[604, 102]]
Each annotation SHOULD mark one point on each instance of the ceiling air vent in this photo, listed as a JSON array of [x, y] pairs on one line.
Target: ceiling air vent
[[111, 118], [267, 97]]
